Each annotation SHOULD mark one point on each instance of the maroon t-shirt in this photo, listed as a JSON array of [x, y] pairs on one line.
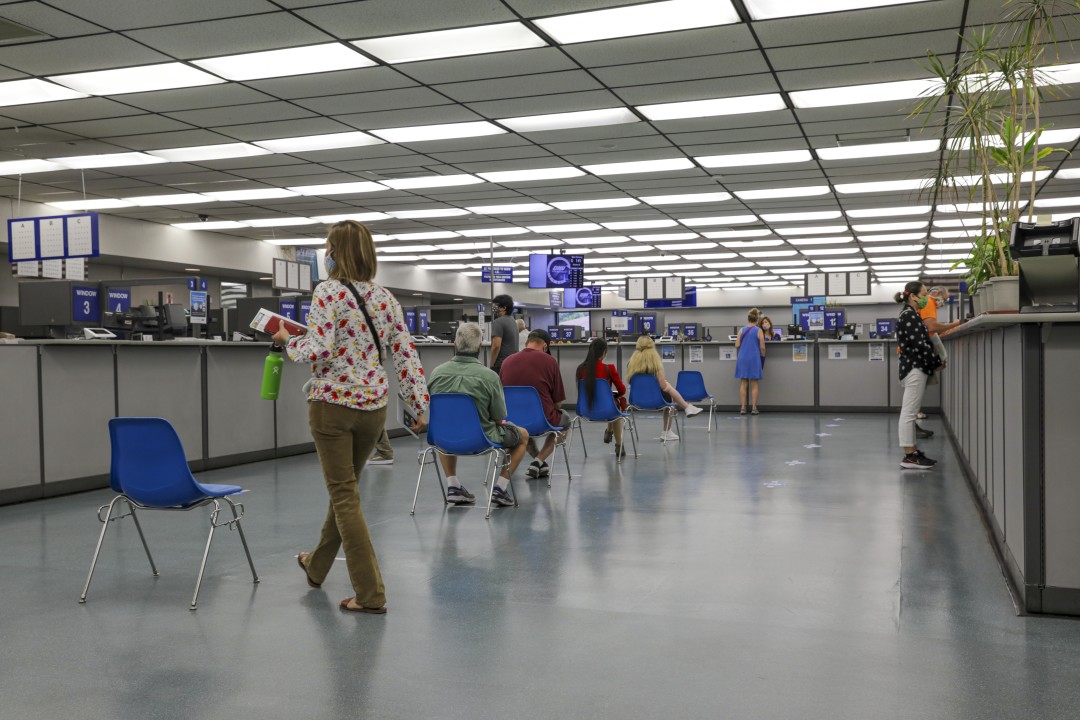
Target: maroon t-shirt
[[537, 369]]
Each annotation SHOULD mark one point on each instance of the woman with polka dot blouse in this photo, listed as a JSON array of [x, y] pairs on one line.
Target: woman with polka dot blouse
[[918, 361]]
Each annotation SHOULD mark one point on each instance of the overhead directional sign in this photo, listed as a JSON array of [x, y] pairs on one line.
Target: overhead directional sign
[[503, 273]]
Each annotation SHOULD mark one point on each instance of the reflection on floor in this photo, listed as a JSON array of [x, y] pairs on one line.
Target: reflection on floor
[[743, 573]]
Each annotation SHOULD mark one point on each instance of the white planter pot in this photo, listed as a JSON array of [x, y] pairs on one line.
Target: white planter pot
[[977, 300], [1006, 294]]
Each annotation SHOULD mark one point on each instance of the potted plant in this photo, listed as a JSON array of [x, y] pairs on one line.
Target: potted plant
[[991, 96]]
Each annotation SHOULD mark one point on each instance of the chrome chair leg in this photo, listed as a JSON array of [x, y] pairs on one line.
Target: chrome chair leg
[[633, 424], [581, 433], [487, 470], [206, 553], [142, 537], [566, 459], [499, 452], [712, 406], [243, 539], [97, 550], [633, 434], [678, 429], [443, 487], [422, 459]]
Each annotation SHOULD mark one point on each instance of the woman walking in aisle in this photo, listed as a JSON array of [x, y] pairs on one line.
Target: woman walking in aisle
[[918, 361]]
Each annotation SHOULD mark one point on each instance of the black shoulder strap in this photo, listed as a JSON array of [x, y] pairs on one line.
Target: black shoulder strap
[[371, 326]]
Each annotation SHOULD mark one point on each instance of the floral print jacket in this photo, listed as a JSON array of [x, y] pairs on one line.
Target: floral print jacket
[[345, 366]]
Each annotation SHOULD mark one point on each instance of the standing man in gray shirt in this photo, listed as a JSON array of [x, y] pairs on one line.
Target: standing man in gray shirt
[[504, 332]]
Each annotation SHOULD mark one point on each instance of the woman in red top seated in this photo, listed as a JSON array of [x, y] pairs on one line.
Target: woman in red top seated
[[594, 368]]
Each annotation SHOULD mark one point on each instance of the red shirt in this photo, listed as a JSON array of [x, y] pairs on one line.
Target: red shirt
[[535, 368], [609, 373]]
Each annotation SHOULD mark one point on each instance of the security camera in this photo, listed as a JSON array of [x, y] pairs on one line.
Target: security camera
[[204, 218]]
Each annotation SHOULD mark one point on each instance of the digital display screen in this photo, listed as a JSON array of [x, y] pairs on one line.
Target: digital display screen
[[556, 271], [582, 297]]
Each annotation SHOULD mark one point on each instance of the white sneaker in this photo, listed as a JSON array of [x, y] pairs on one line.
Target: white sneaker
[[379, 460], [669, 436], [920, 416], [692, 410]]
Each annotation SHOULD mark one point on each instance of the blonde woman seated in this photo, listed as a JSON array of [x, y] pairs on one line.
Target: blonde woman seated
[[646, 361]]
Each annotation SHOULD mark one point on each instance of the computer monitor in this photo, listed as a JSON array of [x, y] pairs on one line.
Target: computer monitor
[[175, 317], [442, 329]]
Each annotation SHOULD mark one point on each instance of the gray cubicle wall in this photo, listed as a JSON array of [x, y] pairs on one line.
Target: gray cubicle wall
[[156, 380], [20, 422], [239, 422], [855, 380]]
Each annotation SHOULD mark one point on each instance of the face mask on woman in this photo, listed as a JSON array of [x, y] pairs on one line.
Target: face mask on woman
[[767, 327], [330, 264], [922, 301]]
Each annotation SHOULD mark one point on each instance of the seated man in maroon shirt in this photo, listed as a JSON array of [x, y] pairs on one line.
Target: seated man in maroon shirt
[[534, 367]]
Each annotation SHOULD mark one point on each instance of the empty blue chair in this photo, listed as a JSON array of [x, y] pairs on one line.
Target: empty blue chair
[[691, 385], [604, 410], [645, 395], [150, 472], [455, 429], [525, 409]]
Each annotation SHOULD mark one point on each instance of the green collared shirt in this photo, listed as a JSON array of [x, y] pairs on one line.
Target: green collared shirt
[[463, 374]]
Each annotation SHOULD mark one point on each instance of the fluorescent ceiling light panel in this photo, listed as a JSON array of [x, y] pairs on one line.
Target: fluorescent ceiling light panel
[[80, 162], [801, 216], [430, 181], [493, 232], [640, 166], [165, 200], [892, 237], [944, 234], [430, 213], [290, 61], [684, 199], [280, 222], [831, 251], [859, 94], [746, 273], [783, 264], [506, 209], [595, 240], [961, 222], [210, 225], [973, 207], [313, 143], [855, 152], [596, 204], [466, 246], [509, 176], [572, 227], [893, 248], [792, 192], [137, 79], [451, 131], [721, 266], [358, 216], [91, 204], [882, 186], [690, 246], [209, 152], [1058, 202], [753, 244], [722, 234], [1067, 174], [818, 230], [452, 256], [839, 266], [729, 220], [451, 43], [338, 188], [640, 224], [25, 167], [257, 194], [625, 249], [24, 92], [759, 158], [889, 212], [568, 120], [951, 246], [820, 240], [712, 256], [713, 108], [885, 227], [878, 261], [644, 19], [296, 241], [663, 237], [408, 249], [546, 242], [770, 253]]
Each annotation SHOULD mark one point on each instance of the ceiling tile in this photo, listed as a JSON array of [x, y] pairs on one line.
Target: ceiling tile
[[284, 129], [179, 138], [332, 83], [698, 89], [529, 86], [241, 114], [547, 104], [374, 101], [194, 98], [663, 46], [375, 18], [874, 22], [408, 118], [69, 111], [230, 37], [48, 20], [98, 52], [492, 65], [126, 14], [665, 71], [132, 125]]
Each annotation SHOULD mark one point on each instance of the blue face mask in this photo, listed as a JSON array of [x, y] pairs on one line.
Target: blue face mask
[[330, 264]]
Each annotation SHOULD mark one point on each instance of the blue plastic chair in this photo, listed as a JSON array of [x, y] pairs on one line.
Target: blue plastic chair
[[691, 385], [602, 410], [525, 409], [455, 429], [150, 472], [645, 396]]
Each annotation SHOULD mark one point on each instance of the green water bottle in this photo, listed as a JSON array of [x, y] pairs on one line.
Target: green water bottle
[[271, 381]]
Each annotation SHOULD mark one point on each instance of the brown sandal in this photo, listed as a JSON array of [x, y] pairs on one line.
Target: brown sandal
[[344, 605], [300, 561]]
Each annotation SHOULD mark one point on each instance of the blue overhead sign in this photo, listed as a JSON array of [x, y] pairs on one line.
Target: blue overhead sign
[[119, 300], [85, 304], [689, 300], [503, 273]]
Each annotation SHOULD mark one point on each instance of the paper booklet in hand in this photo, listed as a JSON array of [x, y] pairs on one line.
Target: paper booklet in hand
[[270, 322]]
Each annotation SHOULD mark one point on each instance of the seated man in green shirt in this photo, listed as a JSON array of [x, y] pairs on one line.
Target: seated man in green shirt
[[464, 373]]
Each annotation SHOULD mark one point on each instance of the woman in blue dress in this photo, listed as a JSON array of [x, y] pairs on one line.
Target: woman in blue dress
[[750, 347]]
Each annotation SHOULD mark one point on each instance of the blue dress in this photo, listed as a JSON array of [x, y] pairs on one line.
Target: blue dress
[[748, 363]]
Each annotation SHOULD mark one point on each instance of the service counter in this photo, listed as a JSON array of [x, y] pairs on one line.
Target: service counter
[[1011, 403], [58, 397]]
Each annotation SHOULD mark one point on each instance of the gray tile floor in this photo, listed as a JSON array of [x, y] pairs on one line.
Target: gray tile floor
[[712, 578]]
